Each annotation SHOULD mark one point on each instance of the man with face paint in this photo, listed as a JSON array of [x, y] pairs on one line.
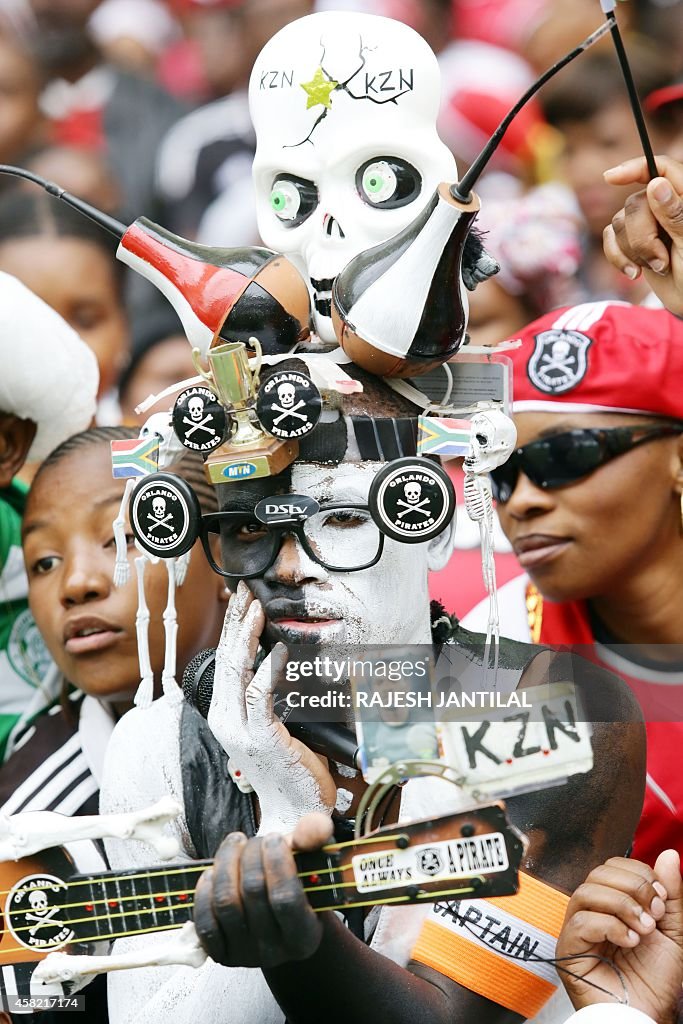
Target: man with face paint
[[291, 597], [348, 155]]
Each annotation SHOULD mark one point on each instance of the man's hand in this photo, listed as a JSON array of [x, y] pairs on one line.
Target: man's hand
[[632, 917], [289, 779], [648, 232], [250, 907]]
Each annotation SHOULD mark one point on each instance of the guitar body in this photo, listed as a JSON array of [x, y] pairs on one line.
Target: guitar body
[[33, 886], [32, 891]]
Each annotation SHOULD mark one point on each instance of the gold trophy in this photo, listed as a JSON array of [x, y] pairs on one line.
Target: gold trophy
[[249, 452]]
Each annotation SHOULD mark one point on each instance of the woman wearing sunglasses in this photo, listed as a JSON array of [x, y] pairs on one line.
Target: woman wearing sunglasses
[[592, 503]]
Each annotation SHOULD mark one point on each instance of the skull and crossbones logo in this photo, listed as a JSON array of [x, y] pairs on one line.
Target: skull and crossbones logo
[[198, 420], [158, 516], [286, 404], [41, 913], [560, 357], [412, 493], [560, 360]]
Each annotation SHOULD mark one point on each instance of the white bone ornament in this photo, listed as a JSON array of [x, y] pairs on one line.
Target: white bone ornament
[[22, 835], [145, 691], [184, 950]]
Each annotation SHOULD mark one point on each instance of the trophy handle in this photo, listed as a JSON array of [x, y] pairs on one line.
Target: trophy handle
[[206, 374], [256, 372]]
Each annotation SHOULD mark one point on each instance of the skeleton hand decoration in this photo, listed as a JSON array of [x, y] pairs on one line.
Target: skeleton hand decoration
[[182, 564], [493, 437], [22, 835], [184, 950]]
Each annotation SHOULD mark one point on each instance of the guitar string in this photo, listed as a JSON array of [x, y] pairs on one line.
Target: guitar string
[[179, 906], [153, 895], [423, 897], [480, 880]]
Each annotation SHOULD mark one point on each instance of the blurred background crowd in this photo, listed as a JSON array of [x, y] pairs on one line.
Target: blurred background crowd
[[140, 106]]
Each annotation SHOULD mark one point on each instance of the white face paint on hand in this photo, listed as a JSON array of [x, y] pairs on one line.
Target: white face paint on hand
[[344, 106], [305, 603]]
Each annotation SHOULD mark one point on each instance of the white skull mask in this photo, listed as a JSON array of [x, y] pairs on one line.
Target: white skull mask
[[159, 507], [493, 437], [195, 407], [285, 395], [344, 106], [412, 492], [38, 901]]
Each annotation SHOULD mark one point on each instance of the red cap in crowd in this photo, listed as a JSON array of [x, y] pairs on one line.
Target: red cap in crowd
[[663, 97], [601, 357]]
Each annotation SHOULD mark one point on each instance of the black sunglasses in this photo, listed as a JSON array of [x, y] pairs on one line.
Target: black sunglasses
[[562, 459]]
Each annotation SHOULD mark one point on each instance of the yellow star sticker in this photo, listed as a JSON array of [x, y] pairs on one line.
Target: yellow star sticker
[[319, 90]]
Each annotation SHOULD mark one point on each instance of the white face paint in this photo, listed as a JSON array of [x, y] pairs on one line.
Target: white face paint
[[388, 603], [344, 106]]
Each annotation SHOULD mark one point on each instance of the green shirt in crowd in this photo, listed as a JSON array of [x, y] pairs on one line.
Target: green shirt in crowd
[[29, 680]]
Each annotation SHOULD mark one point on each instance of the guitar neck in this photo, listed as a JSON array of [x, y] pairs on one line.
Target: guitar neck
[[472, 853], [117, 904]]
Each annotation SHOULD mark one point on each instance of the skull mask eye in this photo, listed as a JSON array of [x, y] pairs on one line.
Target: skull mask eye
[[388, 182], [293, 199]]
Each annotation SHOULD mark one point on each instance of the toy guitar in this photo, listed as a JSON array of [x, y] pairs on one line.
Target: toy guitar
[[45, 908]]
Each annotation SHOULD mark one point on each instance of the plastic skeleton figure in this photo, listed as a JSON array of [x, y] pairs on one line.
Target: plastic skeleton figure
[[171, 452], [22, 835], [492, 439]]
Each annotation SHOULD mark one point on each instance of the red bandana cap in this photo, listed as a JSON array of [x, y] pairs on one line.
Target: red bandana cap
[[600, 357]]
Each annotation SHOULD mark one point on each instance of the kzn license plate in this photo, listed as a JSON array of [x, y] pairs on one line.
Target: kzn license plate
[[522, 750]]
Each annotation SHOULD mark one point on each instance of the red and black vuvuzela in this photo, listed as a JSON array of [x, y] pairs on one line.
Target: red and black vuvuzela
[[221, 294]]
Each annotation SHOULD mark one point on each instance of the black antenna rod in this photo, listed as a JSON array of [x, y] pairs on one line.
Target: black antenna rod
[[608, 7], [462, 189], [110, 224]]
